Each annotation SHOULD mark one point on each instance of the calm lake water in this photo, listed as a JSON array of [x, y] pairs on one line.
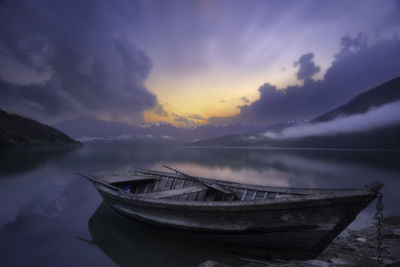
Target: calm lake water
[[51, 217]]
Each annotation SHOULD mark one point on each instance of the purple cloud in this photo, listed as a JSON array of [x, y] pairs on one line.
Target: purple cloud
[[92, 67], [183, 121], [358, 66], [307, 67]]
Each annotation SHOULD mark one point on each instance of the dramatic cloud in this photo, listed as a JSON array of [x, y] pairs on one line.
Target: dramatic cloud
[[375, 118], [63, 59], [183, 121], [360, 41], [359, 66], [307, 67], [70, 59], [159, 110], [188, 120]]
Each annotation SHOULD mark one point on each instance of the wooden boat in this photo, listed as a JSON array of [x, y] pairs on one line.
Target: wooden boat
[[260, 221]]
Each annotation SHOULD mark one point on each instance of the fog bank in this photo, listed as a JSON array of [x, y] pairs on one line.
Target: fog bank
[[375, 118]]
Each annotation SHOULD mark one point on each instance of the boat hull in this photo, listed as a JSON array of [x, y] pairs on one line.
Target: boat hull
[[286, 230]]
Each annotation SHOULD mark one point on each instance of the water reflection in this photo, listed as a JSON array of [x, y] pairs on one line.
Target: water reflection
[[129, 243], [17, 160], [44, 205], [39, 228]]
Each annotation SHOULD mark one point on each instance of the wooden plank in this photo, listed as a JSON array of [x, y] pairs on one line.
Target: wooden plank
[[190, 183], [168, 185], [175, 192], [216, 187], [145, 188], [152, 188], [203, 181], [206, 195], [244, 195], [182, 184], [161, 184], [173, 184]]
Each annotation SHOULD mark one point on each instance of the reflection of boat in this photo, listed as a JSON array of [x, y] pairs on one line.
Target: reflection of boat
[[131, 244], [261, 221]]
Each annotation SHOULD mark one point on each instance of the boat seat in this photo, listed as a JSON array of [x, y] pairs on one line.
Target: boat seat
[[174, 192]]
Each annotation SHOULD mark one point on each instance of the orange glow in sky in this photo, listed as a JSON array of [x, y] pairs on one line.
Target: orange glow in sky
[[211, 93]]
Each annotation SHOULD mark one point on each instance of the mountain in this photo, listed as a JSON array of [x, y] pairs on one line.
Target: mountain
[[19, 131], [85, 126], [385, 136], [376, 97], [100, 131]]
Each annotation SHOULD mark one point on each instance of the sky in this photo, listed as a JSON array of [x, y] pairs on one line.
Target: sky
[[192, 62]]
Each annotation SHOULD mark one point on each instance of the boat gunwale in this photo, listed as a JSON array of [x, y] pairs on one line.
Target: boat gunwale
[[305, 195]]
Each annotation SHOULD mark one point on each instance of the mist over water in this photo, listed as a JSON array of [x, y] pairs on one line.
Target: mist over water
[[375, 118], [48, 213]]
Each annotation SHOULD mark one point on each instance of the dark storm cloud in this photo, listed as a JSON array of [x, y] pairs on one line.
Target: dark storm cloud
[[93, 67], [360, 65], [347, 42], [307, 67]]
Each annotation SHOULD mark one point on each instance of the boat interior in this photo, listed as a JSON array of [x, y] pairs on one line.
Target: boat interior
[[188, 189]]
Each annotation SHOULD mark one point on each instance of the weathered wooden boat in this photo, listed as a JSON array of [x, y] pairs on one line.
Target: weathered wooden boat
[[260, 221]]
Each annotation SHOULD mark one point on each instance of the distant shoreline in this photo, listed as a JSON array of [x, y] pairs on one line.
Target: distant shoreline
[[40, 146], [240, 147]]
